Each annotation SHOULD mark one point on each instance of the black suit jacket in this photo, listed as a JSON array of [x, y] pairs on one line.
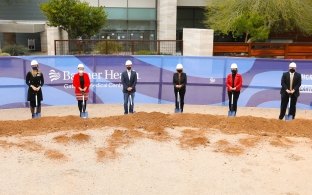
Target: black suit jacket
[[128, 83], [183, 80], [285, 82]]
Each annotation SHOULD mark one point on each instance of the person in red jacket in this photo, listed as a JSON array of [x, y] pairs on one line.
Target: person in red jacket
[[234, 83], [81, 83]]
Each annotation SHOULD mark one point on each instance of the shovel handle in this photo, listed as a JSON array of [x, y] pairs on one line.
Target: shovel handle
[[232, 98], [130, 99], [178, 98]]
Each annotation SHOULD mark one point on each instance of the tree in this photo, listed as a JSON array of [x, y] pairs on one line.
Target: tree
[[77, 18], [256, 19]]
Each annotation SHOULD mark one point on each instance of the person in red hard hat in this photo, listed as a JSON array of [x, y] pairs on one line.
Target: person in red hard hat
[[234, 82], [81, 83]]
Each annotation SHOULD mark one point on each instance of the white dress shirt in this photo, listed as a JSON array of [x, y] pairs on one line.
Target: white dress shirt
[[129, 74], [291, 80]]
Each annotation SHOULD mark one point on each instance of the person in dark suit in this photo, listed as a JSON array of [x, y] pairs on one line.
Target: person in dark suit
[[34, 80], [129, 81], [291, 82], [179, 85]]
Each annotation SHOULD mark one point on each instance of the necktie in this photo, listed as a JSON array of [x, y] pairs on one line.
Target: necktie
[[291, 81]]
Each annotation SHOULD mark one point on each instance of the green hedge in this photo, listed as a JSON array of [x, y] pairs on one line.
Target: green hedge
[[15, 50], [5, 54], [107, 47]]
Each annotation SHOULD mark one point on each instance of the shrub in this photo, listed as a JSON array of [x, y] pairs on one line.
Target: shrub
[[15, 50], [146, 52], [107, 47], [4, 54]]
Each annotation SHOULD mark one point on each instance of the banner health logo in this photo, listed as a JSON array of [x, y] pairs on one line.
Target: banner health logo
[[54, 76], [212, 80], [306, 87]]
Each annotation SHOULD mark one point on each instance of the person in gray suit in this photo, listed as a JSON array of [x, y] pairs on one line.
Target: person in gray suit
[[128, 80]]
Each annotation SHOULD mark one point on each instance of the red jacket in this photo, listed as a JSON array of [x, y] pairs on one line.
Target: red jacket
[[76, 82], [238, 82]]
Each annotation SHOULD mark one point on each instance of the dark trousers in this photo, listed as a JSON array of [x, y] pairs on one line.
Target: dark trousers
[[235, 99], [182, 94], [33, 106], [284, 103], [128, 105], [81, 107]]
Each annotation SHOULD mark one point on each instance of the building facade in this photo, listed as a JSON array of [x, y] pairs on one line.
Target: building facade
[[22, 22]]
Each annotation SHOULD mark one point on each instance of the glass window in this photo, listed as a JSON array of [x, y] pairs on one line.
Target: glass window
[[116, 25], [131, 13], [142, 14], [116, 13], [142, 25]]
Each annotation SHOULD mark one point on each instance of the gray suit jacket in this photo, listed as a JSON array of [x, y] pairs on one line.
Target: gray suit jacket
[[128, 83]]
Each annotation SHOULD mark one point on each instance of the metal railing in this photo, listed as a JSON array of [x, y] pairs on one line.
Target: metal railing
[[118, 47]]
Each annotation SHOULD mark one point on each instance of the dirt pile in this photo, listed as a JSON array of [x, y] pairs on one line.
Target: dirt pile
[[155, 123], [129, 128]]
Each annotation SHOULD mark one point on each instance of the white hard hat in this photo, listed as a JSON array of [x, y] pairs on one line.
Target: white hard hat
[[80, 66], [128, 62], [233, 65], [179, 66], [292, 65], [34, 62]]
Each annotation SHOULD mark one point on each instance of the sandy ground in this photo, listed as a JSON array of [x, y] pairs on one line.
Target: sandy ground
[[154, 151]]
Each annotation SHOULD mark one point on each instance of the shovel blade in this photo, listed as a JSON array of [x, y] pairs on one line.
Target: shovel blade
[[231, 113], [37, 115], [177, 110], [84, 115], [288, 117]]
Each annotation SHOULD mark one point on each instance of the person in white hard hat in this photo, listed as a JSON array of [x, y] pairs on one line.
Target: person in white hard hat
[[81, 83], [291, 82], [129, 81], [179, 85], [234, 82], [35, 80]]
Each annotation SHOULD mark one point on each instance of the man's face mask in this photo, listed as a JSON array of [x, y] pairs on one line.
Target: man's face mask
[[234, 71], [292, 70], [35, 68], [179, 71], [128, 67]]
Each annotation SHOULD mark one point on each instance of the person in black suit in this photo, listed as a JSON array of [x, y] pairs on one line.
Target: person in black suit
[[291, 82], [128, 80], [179, 84]]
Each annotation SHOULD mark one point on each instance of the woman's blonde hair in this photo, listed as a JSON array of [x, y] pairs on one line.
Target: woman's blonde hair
[[35, 72]]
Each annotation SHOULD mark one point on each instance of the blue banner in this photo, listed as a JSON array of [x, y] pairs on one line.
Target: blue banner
[[206, 79]]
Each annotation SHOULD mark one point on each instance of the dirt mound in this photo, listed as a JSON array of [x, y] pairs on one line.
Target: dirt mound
[[193, 138], [155, 123], [79, 138]]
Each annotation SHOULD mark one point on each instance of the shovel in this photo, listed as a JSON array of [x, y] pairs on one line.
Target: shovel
[[289, 117], [84, 114], [177, 110], [131, 103], [36, 114], [232, 113]]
